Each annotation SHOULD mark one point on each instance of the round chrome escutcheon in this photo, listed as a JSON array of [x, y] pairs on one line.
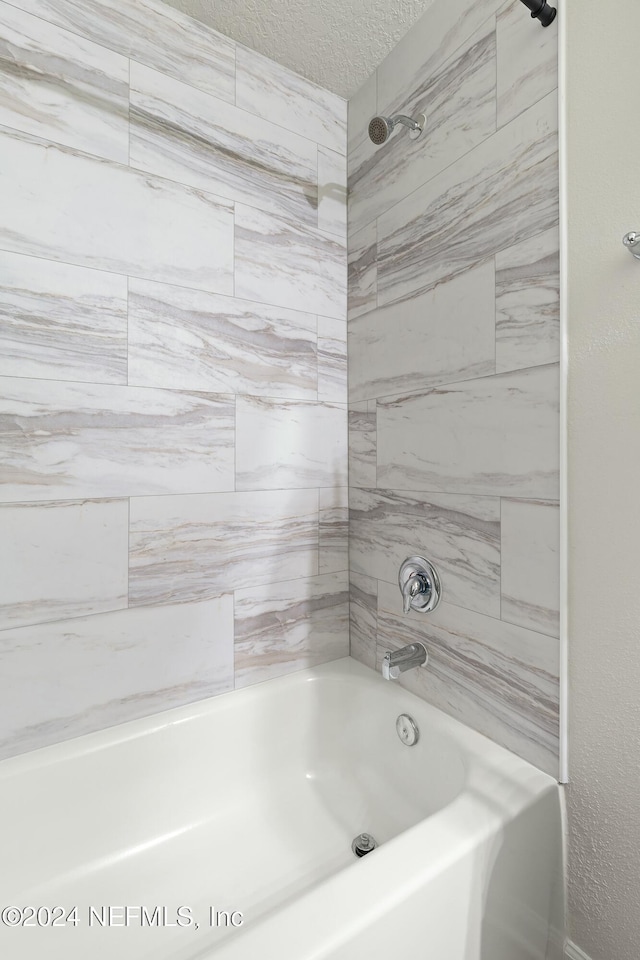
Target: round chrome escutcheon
[[407, 730]]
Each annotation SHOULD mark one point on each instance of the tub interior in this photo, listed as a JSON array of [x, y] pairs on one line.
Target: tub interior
[[245, 805]]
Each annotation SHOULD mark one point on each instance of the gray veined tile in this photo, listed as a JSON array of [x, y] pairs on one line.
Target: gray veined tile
[[151, 32], [334, 530], [60, 322], [458, 99], [332, 360], [502, 192], [62, 680], [363, 618], [363, 271], [528, 303], [62, 559], [459, 534], [443, 335], [189, 136], [286, 263], [194, 547], [288, 444], [69, 440], [527, 62], [192, 340], [531, 565], [362, 107], [494, 676], [332, 192], [66, 206], [269, 90], [362, 444], [443, 29], [497, 436], [59, 86], [284, 627]]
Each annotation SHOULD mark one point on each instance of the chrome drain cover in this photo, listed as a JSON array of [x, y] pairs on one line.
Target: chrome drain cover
[[363, 844]]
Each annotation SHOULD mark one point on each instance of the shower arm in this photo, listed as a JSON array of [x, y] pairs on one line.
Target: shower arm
[[407, 121]]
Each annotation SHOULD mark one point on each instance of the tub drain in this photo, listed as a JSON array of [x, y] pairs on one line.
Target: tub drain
[[363, 844]]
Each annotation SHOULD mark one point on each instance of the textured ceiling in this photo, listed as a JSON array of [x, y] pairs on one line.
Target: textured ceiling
[[336, 43]]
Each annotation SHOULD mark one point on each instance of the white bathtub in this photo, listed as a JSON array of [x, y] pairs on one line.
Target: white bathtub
[[248, 803]]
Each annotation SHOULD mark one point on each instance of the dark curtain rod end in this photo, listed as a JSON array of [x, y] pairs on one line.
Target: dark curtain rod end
[[540, 10]]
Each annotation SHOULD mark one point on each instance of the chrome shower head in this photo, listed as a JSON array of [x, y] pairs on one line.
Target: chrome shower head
[[381, 128]]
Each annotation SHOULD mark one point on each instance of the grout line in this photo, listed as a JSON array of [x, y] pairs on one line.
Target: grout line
[[166, 283], [459, 606], [495, 95], [128, 551], [129, 114], [128, 343], [500, 566], [235, 75], [433, 388], [495, 319], [79, 498]]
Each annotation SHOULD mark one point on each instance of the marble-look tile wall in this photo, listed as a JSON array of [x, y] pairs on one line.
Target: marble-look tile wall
[[453, 344], [173, 373]]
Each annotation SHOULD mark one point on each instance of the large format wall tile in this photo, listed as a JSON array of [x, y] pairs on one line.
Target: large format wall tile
[[531, 565], [504, 191], [440, 336], [58, 86], [271, 91], [446, 27], [194, 547], [363, 618], [460, 535], [332, 192], [458, 100], [497, 436], [283, 627], [62, 560], [288, 444], [363, 270], [332, 360], [499, 678], [61, 323], [362, 444], [528, 303], [192, 340], [194, 138], [70, 440], [153, 33], [66, 206], [527, 62], [66, 679], [283, 262], [333, 532]]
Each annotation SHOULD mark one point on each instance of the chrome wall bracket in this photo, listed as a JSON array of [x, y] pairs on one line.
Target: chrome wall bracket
[[632, 243]]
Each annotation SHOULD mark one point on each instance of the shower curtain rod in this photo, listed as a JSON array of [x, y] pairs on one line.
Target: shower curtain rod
[[540, 10]]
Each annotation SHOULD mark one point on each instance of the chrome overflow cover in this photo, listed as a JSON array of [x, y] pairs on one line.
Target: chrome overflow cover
[[407, 730]]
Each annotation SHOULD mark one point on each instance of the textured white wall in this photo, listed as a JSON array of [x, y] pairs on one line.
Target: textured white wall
[[604, 458], [336, 43]]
